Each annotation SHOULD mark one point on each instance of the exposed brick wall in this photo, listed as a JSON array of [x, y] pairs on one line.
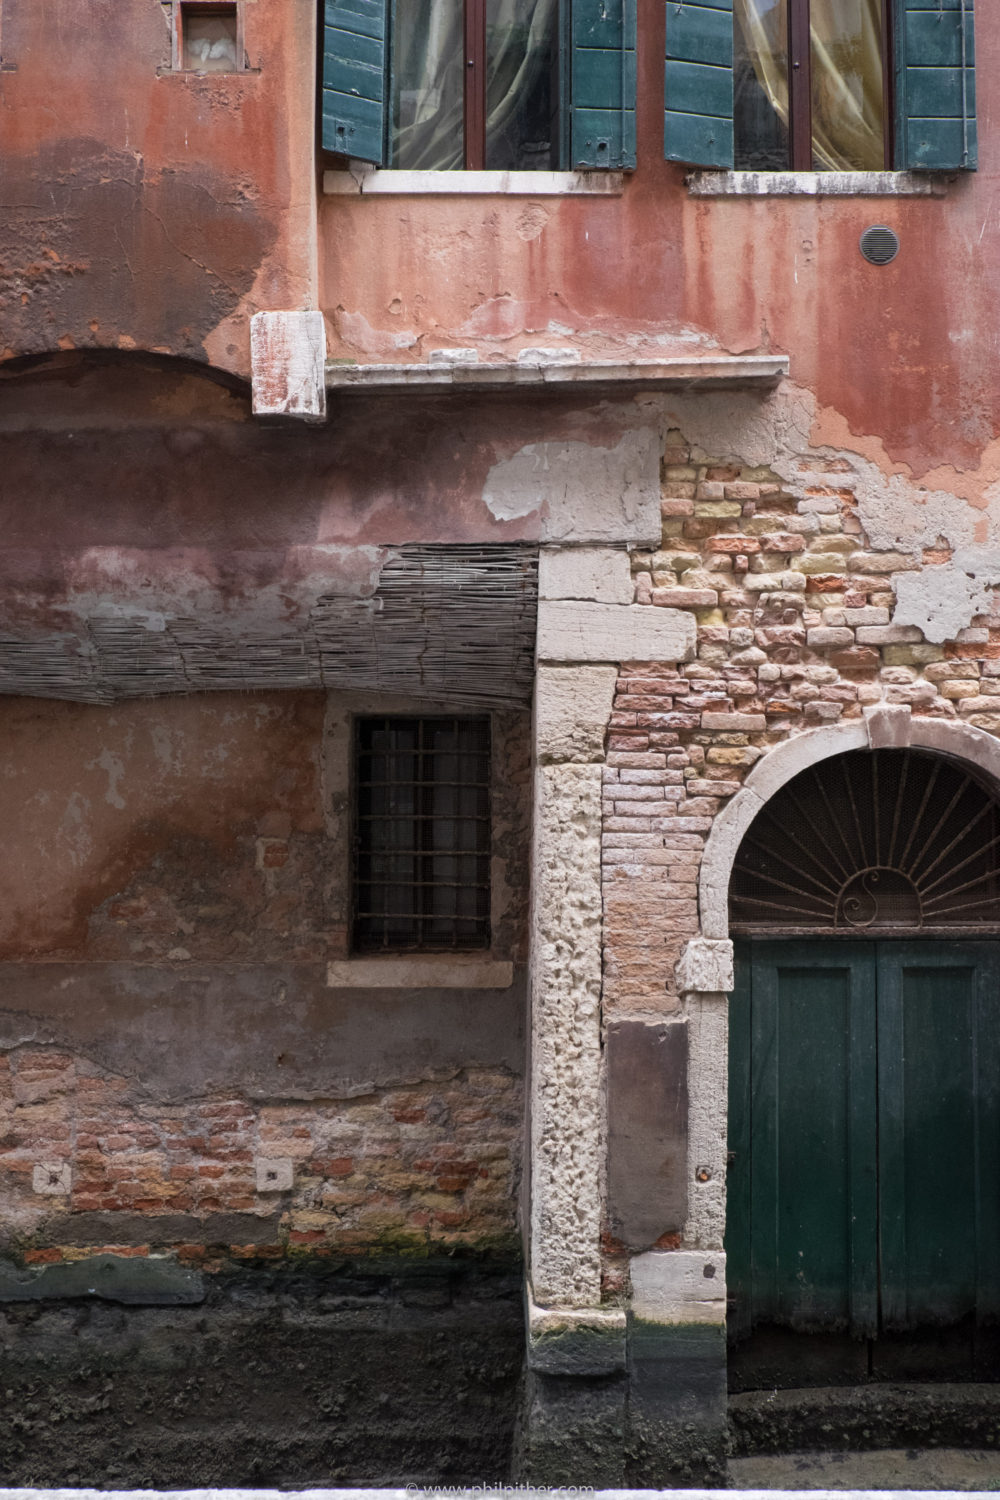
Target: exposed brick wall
[[431, 1165], [793, 609]]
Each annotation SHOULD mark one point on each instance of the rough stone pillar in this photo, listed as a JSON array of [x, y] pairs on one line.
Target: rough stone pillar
[[575, 1398], [575, 1408]]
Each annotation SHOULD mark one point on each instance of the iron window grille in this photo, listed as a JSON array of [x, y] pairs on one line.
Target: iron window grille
[[422, 834], [883, 842]]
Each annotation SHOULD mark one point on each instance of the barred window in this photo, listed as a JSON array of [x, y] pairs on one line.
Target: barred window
[[422, 844]]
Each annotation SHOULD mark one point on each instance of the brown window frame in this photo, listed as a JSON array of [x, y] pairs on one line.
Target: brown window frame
[[800, 88]]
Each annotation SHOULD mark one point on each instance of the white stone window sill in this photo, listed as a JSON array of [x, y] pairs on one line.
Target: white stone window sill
[[362, 180], [711, 184], [421, 971]]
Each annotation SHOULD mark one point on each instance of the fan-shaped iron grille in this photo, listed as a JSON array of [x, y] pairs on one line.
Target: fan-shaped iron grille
[[884, 840]]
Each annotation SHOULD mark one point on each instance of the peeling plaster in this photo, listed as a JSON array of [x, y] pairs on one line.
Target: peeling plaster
[[898, 513], [942, 600], [584, 492]]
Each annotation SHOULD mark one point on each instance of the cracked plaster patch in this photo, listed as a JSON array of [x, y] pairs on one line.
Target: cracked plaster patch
[[941, 601], [584, 492]]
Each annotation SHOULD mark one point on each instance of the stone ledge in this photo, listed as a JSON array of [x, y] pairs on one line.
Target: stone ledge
[[421, 971], [576, 1341], [138, 1281], [668, 374], [709, 184], [363, 180]]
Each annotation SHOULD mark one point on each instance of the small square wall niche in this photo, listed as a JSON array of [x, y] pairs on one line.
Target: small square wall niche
[[209, 39]]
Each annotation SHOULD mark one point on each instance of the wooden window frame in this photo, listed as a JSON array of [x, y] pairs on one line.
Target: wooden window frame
[[800, 150], [475, 86]]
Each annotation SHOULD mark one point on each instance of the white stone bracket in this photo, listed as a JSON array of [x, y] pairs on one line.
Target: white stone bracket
[[288, 365]]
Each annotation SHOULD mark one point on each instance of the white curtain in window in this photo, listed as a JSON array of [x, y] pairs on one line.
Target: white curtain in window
[[847, 86], [428, 58]]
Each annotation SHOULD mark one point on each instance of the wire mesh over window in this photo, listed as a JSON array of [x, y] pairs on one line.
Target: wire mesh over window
[[882, 841], [422, 862]]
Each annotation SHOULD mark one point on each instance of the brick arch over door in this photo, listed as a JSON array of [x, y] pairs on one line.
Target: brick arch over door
[[883, 728]]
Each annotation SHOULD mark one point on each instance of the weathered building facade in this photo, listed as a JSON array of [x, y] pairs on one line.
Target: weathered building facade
[[423, 560]]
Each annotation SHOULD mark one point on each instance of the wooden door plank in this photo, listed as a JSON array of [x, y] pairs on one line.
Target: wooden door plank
[[928, 1177]]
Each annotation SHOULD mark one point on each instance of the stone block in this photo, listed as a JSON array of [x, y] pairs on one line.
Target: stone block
[[882, 562], [572, 711], [734, 723], [888, 635], [600, 574], [682, 598], [866, 614], [569, 631], [288, 363], [720, 510], [679, 1286], [730, 543], [274, 1174], [706, 967], [647, 1129], [820, 563], [825, 637], [52, 1179]]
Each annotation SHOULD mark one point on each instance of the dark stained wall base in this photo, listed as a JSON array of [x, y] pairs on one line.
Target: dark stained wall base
[[373, 1374], [573, 1431], [677, 1404], [659, 1423]]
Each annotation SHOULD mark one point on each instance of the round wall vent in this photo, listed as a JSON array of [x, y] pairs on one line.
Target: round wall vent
[[879, 245]]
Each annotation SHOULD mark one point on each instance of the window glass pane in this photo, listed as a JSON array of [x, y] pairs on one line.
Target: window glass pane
[[428, 86], [760, 83], [522, 84], [847, 93]]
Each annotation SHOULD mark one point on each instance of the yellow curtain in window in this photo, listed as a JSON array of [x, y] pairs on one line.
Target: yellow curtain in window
[[847, 88]]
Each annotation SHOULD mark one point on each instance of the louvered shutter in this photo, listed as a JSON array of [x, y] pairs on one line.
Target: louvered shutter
[[355, 42], [935, 86], [698, 83], [602, 83]]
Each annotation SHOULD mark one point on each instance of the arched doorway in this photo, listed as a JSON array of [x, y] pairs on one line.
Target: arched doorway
[[863, 1219]]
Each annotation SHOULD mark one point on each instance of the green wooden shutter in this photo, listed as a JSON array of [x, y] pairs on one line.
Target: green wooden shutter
[[935, 86], [602, 83], [355, 47], [698, 83]]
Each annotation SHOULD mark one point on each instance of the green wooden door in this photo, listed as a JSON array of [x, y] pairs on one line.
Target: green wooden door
[[864, 1136]]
